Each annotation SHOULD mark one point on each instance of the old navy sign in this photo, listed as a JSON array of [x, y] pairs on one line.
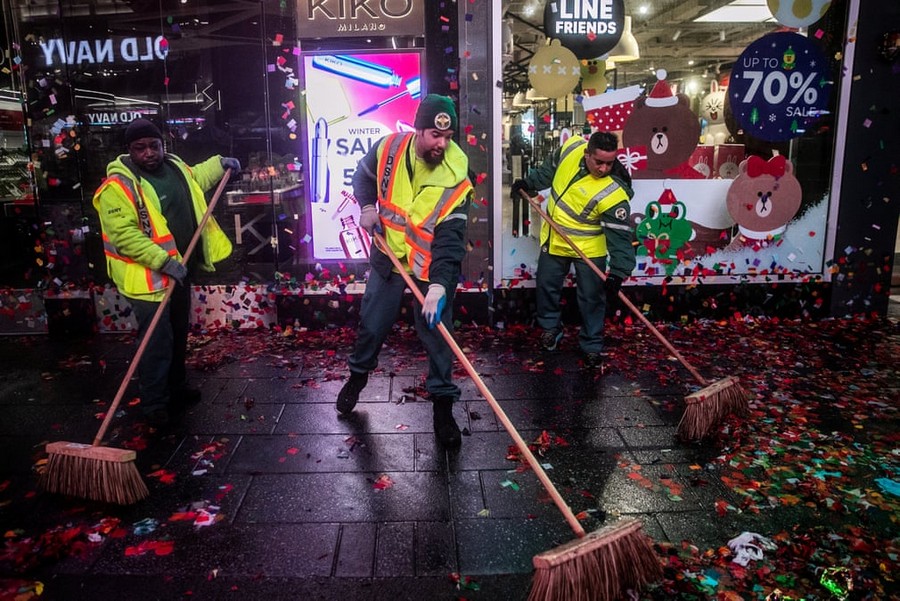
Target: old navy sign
[[103, 52], [115, 117], [348, 18], [589, 28]]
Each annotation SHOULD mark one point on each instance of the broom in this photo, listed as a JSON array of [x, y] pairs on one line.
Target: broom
[[601, 565], [705, 407], [109, 474]]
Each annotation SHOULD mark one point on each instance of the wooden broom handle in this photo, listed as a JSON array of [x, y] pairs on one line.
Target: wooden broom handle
[[479, 383], [537, 207], [158, 314]]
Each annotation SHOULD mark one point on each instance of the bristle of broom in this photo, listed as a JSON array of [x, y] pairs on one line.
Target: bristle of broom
[[599, 567], [708, 406], [101, 474]]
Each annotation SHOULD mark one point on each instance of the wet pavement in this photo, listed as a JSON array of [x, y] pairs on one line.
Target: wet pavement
[[262, 491]]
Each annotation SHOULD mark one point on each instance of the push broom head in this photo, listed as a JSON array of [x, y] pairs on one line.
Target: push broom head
[[709, 406], [91, 472], [599, 567]]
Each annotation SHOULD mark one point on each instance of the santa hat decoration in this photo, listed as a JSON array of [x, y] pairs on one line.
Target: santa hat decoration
[[667, 202], [661, 95], [608, 111]]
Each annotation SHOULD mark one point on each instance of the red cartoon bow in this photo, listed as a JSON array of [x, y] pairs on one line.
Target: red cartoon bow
[[775, 166]]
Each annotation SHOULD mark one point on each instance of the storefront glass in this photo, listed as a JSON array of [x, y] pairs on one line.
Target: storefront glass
[[217, 77], [726, 128]]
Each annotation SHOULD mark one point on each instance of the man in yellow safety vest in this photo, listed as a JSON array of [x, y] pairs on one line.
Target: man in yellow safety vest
[[589, 200], [419, 182], [150, 205]]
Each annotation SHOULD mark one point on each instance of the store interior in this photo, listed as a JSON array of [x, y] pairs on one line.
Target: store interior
[[695, 43]]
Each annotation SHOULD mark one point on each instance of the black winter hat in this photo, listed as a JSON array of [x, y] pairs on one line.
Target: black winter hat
[[436, 112], [141, 128]]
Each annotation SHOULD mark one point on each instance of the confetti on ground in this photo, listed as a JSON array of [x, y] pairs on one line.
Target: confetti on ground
[[814, 469]]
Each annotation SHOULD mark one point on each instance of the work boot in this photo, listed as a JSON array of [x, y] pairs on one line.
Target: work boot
[[550, 339], [183, 399], [593, 361], [349, 394], [445, 428]]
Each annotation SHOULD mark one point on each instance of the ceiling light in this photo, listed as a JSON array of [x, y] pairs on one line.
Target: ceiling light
[[643, 9], [676, 35], [519, 100], [529, 9], [627, 48], [739, 11], [533, 96]]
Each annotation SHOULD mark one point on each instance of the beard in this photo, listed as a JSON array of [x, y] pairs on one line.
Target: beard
[[434, 157]]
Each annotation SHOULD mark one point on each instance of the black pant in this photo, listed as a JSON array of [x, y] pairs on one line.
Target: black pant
[[161, 370], [520, 209]]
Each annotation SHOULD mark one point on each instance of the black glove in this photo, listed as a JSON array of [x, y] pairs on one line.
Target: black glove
[[519, 186], [175, 269], [612, 286]]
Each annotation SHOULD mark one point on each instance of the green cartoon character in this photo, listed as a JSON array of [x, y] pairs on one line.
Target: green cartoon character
[[664, 231], [788, 59]]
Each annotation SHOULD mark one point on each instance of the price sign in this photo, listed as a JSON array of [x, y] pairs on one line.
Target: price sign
[[779, 86]]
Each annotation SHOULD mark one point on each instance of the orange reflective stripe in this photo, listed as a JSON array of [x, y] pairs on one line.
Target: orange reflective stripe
[[167, 242], [137, 201], [450, 201], [387, 163], [126, 186], [395, 146], [397, 227], [419, 236]]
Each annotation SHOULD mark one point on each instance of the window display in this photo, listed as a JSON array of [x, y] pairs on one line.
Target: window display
[[729, 149]]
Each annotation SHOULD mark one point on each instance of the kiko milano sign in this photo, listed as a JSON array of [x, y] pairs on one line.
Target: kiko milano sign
[[350, 18]]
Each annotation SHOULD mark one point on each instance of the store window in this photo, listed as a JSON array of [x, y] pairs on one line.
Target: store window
[[227, 78], [216, 77], [725, 121]]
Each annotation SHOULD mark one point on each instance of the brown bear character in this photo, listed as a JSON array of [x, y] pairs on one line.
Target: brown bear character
[[763, 198], [664, 123]]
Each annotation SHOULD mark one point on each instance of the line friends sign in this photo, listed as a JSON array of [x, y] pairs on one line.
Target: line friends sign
[[589, 28]]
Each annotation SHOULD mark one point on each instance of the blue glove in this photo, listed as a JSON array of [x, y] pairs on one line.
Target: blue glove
[[231, 163], [434, 304], [174, 269]]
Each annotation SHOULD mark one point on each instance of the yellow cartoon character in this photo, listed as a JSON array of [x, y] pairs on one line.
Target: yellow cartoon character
[[593, 76]]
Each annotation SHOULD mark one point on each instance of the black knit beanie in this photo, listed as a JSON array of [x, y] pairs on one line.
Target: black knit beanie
[[141, 128], [436, 112]]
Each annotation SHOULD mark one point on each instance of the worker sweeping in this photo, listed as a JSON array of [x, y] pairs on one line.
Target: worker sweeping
[[589, 199], [153, 214], [414, 188], [149, 207]]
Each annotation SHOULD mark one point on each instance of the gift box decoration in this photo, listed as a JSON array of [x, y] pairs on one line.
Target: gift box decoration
[[633, 158]]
